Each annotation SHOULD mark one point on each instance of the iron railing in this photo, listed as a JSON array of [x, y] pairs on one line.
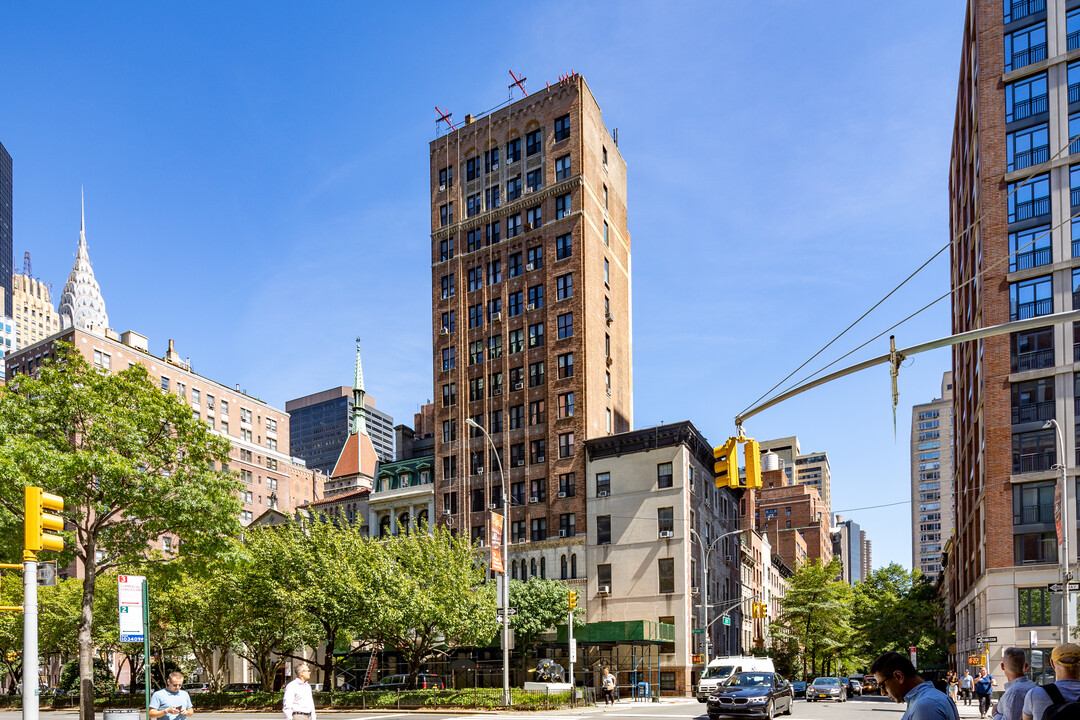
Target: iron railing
[[1034, 156], [1033, 106], [1033, 411], [1035, 308], [1036, 359], [1032, 258], [1072, 40], [1032, 514], [1031, 208], [1020, 9], [1035, 462], [1033, 54]]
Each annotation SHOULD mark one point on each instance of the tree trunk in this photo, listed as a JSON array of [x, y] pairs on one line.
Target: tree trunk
[[86, 642], [328, 661]]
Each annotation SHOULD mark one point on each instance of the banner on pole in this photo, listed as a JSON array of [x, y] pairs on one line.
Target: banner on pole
[[131, 608], [496, 536]]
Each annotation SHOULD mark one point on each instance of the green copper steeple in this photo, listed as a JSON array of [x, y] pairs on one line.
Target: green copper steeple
[[359, 424]]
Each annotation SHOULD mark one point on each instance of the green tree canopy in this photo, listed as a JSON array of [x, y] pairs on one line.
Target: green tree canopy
[[895, 609], [816, 615], [130, 461]]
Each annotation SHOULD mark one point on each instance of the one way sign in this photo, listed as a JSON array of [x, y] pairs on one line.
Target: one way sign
[[1056, 587]]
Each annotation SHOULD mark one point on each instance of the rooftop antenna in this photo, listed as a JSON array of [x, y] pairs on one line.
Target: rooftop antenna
[[444, 117], [520, 82], [27, 270]]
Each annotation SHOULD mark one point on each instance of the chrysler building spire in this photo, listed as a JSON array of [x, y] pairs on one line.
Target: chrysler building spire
[[81, 304]]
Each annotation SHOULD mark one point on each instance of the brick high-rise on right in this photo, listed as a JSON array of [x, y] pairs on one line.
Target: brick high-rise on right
[[1014, 183], [530, 271]]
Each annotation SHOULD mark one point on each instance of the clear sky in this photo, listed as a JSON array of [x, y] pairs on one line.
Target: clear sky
[[257, 189]]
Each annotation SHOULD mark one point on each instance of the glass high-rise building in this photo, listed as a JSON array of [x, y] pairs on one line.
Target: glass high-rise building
[[319, 426], [6, 233]]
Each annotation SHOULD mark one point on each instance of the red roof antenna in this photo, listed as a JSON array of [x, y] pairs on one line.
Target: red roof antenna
[[445, 117], [520, 82]]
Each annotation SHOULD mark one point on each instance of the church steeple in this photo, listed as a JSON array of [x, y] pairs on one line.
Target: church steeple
[[81, 304], [359, 423]]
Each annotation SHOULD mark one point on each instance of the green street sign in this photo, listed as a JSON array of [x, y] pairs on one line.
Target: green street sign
[[699, 630], [727, 620]]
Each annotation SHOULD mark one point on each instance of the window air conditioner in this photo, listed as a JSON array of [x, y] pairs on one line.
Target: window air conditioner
[[497, 391], [519, 386], [444, 331], [529, 189], [540, 458], [479, 471], [442, 187], [496, 316], [562, 533], [603, 590], [562, 495], [445, 512], [693, 591], [492, 506], [520, 463], [529, 267], [520, 539], [665, 534], [609, 317], [479, 543], [601, 493], [534, 499], [729, 559], [530, 306]]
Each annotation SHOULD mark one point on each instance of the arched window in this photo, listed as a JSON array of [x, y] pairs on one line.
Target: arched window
[[513, 570], [421, 519], [543, 568], [384, 526], [562, 568], [532, 568], [573, 566], [403, 522]]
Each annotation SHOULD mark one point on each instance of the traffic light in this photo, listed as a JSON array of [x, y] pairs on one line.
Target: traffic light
[[727, 464], [571, 599], [37, 521], [752, 451]]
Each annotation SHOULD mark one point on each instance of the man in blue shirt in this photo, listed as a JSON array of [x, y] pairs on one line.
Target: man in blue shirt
[[899, 679], [171, 702], [1011, 704], [1066, 663]]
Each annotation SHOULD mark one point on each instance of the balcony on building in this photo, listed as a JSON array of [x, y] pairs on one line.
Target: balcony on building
[[1030, 248], [1029, 199], [1072, 30], [1032, 349], [1027, 147], [1031, 298], [1020, 9], [1033, 401], [1025, 46], [1033, 451], [1034, 538]]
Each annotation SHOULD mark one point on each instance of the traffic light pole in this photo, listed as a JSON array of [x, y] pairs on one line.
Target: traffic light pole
[[30, 685]]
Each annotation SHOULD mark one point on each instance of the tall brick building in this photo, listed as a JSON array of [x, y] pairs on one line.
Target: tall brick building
[[530, 274], [1013, 186]]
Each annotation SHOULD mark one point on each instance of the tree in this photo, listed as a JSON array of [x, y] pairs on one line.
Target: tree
[[131, 463], [11, 593], [426, 591], [895, 609], [815, 614], [58, 621], [541, 605]]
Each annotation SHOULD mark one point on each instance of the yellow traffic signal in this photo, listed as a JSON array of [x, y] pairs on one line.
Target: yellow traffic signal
[[37, 520], [752, 451], [727, 464], [571, 598]]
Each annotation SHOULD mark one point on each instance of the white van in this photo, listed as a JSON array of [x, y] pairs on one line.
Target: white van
[[721, 668]]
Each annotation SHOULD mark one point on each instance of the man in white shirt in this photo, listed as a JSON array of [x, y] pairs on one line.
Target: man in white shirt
[[1066, 663], [298, 703]]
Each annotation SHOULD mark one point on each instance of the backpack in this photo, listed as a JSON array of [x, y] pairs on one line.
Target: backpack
[[1060, 709], [984, 686]]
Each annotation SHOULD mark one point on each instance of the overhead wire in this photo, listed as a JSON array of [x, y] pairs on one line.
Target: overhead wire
[[1035, 172]]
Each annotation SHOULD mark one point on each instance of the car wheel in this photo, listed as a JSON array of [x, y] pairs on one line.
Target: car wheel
[[769, 714], [714, 716], [790, 702], [701, 700]]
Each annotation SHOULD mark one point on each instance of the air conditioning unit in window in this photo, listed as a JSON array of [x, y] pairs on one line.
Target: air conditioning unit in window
[[497, 391], [492, 506], [520, 463], [479, 543], [441, 188], [444, 331], [562, 533], [530, 306], [609, 317], [539, 458], [603, 590], [520, 539], [529, 267], [446, 512], [693, 591], [729, 559], [529, 189], [519, 386], [666, 534], [534, 499], [562, 494], [496, 316], [601, 493], [479, 471]]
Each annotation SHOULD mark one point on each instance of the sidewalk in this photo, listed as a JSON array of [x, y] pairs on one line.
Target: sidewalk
[[972, 710]]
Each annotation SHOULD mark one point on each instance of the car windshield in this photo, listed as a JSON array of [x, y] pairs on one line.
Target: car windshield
[[720, 671], [750, 680], [827, 681]]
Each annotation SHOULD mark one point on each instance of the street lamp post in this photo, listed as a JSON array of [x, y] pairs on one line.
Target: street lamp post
[[1064, 505], [506, 560], [705, 555]]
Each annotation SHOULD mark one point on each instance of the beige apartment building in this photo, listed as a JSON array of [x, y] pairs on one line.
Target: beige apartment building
[[32, 310]]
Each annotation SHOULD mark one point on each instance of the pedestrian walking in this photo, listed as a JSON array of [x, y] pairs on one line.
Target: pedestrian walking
[[899, 679], [954, 686], [984, 688], [1065, 689], [1011, 704], [171, 702], [966, 684], [298, 703], [608, 683]]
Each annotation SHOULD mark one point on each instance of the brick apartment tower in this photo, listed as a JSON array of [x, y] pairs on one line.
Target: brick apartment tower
[[530, 305], [1015, 255]]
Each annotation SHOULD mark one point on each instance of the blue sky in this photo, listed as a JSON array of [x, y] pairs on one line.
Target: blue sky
[[256, 189]]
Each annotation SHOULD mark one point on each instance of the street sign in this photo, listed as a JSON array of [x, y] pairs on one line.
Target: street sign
[[131, 608], [1034, 638], [1056, 587], [573, 650], [986, 639], [698, 631], [727, 620], [46, 573]]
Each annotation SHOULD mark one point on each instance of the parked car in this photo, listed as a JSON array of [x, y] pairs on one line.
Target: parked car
[[798, 688], [826, 688], [242, 688], [196, 688], [856, 687], [424, 681], [756, 694]]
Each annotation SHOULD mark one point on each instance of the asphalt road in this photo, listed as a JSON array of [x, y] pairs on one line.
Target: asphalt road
[[868, 708]]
